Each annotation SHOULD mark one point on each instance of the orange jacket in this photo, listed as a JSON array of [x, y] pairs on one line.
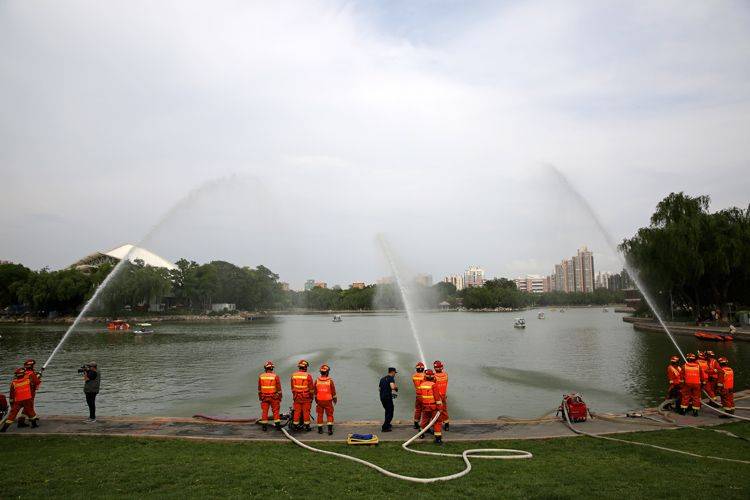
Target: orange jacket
[[35, 380], [441, 381], [713, 369], [704, 368], [692, 373], [20, 389], [417, 379], [428, 395], [674, 374], [325, 389], [726, 378], [269, 386], [302, 385]]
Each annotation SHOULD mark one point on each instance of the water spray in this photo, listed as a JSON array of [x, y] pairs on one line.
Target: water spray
[[386, 248]]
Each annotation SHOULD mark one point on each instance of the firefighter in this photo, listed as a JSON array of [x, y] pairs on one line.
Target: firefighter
[[713, 375], [302, 393], [725, 384], [35, 378], [431, 403], [417, 379], [703, 363], [674, 376], [690, 392], [20, 398], [269, 394], [325, 398], [441, 381]]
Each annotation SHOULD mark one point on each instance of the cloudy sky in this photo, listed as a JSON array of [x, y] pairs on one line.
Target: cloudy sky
[[291, 133]]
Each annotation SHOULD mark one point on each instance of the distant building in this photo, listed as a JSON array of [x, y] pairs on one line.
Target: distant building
[[309, 285], [560, 278], [620, 281], [474, 276], [284, 286], [532, 283], [575, 274], [320, 284], [570, 275], [223, 307], [5, 262], [359, 285], [385, 280], [602, 280], [456, 280], [423, 279]]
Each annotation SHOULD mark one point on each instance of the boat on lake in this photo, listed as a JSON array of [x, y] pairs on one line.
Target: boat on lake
[[520, 323], [143, 328], [540, 315], [118, 325], [337, 318], [714, 337], [605, 310]]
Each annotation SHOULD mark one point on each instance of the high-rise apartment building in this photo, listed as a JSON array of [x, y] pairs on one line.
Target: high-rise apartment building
[[309, 285], [575, 274], [474, 276], [586, 260], [532, 283], [423, 279], [560, 278], [456, 280]]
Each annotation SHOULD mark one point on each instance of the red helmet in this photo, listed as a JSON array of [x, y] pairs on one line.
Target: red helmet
[[29, 362], [723, 361], [690, 356], [303, 364], [420, 365], [20, 372], [325, 368], [674, 359], [710, 354], [268, 364], [429, 374], [437, 364], [701, 354]]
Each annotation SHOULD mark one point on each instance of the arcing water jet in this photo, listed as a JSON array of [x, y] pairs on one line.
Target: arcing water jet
[[385, 247]]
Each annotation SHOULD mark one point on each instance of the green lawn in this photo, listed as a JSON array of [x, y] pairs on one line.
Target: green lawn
[[85, 467]]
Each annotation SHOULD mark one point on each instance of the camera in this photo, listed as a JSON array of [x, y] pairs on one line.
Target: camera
[[84, 369]]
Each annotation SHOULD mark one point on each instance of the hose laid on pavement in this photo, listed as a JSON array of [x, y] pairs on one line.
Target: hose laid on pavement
[[465, 455], [663, 448]]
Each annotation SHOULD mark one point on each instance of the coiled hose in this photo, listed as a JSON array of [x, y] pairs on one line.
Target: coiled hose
[[466, 455]]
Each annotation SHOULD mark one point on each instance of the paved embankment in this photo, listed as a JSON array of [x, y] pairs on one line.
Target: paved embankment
[[460, 430], [651, 325]]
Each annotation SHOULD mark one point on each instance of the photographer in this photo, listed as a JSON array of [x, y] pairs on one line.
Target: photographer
[[92, 379]]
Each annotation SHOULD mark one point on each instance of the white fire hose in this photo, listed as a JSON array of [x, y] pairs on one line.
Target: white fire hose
[[466, 455]]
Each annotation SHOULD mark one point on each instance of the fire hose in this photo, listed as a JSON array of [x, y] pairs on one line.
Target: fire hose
[[466, 455], [638, 443]]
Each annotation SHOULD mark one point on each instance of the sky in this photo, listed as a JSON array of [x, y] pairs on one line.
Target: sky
[[290, 134]]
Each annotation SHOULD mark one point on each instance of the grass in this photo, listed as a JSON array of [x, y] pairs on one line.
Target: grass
[[85, 467]]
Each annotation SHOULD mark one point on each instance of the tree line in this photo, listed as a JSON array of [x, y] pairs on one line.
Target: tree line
[[693, 260]]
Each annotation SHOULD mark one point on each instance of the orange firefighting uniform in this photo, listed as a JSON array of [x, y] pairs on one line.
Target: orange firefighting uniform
[[690, 391], [704, 377], [269, 394], [441, 381], [713, 376], [302, 392], [674, 376], [21, 398], [417, 379], [325, 393], [430, 398], [36, 381], [725, 383]]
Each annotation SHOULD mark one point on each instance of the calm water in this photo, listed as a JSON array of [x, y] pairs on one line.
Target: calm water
[[494, 369]]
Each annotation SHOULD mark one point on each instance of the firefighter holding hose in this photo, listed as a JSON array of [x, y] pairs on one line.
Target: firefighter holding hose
[[20, 399], [725, 384], [674, 376], [431, 403], [441, 382], [35, 378], [417, 379], [694, 378], [269, 394]]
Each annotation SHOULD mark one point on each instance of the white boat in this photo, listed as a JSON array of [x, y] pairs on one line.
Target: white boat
[[540, 315], [337, 318], [605, 310], [562, 310], [520, 323], [143, 328]]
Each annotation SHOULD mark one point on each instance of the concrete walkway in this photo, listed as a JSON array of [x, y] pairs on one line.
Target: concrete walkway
[[460, 430]]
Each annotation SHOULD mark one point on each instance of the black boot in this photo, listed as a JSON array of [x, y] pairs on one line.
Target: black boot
[[421, 436], [447, 426], [681, 411], [4, 427], [695, 412], [416, 424], [278, 426], [320, 429], [438, 439], [330, 429], [265, 427], [35, 423], [307, 428]]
